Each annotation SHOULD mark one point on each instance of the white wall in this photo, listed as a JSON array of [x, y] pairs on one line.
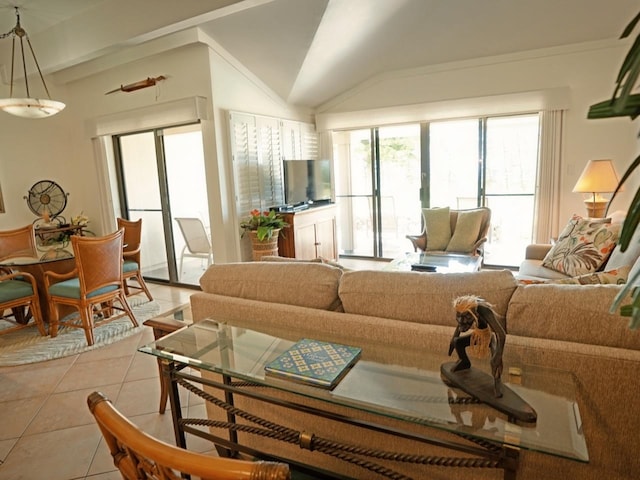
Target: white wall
[[34, 150], [235, 89], [60, 148], [588, 70]]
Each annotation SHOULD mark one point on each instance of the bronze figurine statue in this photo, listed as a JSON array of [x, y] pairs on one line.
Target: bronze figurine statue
[[488, 334], [480, 332]]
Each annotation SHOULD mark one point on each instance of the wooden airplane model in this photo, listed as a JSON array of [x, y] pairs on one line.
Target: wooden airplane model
[[132, 87]]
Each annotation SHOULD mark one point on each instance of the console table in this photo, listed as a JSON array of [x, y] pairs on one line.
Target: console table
[[49, 235], [231, 362]]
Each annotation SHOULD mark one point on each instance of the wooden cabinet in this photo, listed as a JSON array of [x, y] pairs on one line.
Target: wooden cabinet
[[311, 234]]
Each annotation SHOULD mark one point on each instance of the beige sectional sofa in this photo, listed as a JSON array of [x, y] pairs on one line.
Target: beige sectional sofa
[[567, 327]]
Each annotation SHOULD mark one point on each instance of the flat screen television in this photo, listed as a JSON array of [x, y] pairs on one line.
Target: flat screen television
[[307, 181]]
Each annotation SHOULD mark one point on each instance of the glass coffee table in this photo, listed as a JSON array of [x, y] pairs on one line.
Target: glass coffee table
[[436, 262], [407, 389]]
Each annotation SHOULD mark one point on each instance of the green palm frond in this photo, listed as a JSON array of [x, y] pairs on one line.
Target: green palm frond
[[625, 104]]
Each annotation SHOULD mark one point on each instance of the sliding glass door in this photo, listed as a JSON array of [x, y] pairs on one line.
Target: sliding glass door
[[385, 175], [162, 177], [377, 178]]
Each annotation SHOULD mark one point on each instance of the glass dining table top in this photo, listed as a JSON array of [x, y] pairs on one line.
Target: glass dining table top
[[46, 257], [396, 382]]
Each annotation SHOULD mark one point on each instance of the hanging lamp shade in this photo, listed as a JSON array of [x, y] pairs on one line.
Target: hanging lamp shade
[[27, 107]]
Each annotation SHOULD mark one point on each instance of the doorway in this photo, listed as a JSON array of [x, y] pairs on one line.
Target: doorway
[[161, 177], [377, 178]]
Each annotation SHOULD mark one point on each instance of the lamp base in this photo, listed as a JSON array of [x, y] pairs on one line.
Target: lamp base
[[596, 209]]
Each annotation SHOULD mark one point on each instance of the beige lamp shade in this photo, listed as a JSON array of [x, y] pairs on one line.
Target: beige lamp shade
[[598, 176]]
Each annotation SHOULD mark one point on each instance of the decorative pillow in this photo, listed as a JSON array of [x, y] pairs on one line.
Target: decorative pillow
[[611, 277], [437, 224], [466, 232], [582, 247], [629, 256]]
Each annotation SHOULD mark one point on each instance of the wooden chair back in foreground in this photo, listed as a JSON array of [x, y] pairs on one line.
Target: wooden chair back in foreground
[[92, 287], [131, 256], [19, 242], [141, 456], [18, 291]]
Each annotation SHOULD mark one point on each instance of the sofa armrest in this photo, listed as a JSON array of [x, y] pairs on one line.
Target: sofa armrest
[[537, 251]]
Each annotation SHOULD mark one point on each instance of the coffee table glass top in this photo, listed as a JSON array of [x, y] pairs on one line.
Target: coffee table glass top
[[436, 262], [397, 383]]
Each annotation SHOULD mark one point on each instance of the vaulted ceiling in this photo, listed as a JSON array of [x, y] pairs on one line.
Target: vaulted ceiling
[[310, 51]]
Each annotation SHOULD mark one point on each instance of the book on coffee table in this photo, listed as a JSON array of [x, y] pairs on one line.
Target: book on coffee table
[[314, 362]]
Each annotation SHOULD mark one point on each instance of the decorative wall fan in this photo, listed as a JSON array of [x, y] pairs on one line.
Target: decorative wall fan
[[46, 199]]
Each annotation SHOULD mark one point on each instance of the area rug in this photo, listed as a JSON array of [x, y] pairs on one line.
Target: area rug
[[28, 346]]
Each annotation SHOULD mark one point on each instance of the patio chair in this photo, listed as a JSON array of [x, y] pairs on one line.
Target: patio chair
[[197, 244]]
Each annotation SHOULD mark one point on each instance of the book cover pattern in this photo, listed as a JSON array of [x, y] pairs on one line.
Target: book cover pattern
[[314, 362]]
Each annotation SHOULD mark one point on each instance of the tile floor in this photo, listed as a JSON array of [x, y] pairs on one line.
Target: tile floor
[[46, 429]]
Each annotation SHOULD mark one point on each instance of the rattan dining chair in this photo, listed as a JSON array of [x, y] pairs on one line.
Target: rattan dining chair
[[93, 287], [140, 456], [18, 292], [131, 255], [19, 242]]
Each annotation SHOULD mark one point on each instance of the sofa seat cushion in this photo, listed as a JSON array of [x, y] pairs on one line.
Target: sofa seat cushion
[[422, 297], [573, 313], [533, 270], [305, 284]]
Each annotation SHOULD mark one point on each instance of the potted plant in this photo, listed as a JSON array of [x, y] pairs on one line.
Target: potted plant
[[626, 104], [263, 227]]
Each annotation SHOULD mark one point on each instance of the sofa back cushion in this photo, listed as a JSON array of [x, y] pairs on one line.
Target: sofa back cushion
[[573, 313], [313, 285], [422, 297]]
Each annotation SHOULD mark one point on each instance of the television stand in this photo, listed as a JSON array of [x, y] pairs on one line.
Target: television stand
[[311, 233]]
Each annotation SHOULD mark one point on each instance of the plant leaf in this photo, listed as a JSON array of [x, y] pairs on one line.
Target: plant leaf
[[624, 178], [606, 109], [635, 316], [629, 28], [630, 222]]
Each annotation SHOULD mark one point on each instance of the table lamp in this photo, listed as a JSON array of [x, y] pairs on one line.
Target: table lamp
[[598, 176]]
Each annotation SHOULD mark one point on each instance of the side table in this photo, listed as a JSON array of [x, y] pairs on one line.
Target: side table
[[162, 325]]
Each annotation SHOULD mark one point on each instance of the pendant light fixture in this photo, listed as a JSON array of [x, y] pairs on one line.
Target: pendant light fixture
[[28, 107]]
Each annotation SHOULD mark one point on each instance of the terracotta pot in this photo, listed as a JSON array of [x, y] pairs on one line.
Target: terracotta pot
[[265, 248]]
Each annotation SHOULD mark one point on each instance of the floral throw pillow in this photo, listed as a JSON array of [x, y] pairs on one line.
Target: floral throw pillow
[[617, 276], [583, 246]]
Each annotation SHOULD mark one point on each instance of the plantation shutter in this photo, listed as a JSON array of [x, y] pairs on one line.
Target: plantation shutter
[[244, 153], [270, 146]]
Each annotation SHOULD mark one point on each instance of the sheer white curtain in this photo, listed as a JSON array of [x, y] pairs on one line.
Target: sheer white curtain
[[547, 203]]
